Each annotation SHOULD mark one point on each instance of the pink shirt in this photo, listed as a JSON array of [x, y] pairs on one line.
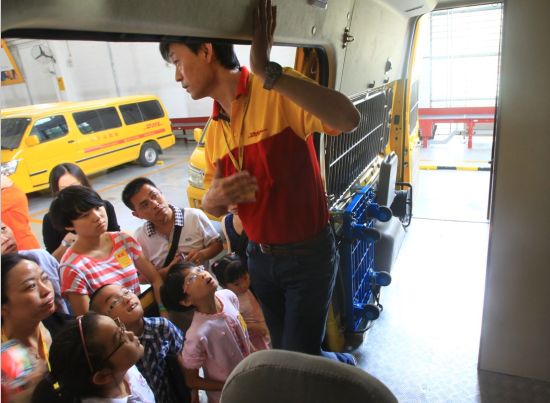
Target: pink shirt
[[83, 275], [252, 313], [217, 342]]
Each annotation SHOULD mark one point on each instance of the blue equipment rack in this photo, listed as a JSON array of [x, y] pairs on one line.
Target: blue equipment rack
[[361, 281]]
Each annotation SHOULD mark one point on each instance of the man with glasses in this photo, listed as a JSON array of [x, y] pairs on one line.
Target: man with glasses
[[198, 241]]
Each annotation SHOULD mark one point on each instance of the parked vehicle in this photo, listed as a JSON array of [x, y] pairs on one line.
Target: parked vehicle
[[96, 135], [195, 187]]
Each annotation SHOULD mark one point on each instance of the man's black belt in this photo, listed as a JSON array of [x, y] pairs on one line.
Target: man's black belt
[[302, 248]]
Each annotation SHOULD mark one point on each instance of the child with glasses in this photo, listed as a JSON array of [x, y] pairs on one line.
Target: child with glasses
[[160, 338], [93, 359], [232, 274], [217, 339]]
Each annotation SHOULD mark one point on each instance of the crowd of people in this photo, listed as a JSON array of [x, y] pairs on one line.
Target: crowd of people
[[60, 302], [74, 307]]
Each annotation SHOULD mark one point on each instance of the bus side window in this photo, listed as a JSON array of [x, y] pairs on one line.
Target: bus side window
[[97, 120], [150, 110], [50, 128], [131, 114], [109, 118], [141, 111]]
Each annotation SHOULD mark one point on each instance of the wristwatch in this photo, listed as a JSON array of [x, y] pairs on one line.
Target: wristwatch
[[66, 244], [272, 72]]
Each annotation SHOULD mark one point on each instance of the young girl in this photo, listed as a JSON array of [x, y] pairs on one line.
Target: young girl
[[62, 176], [97, 257], [232, 274], [93, 359], [216, 340]]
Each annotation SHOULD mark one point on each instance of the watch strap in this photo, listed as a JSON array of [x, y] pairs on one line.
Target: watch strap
[[272, 73]]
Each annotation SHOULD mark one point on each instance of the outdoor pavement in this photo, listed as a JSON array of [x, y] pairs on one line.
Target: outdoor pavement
[[452, 150]]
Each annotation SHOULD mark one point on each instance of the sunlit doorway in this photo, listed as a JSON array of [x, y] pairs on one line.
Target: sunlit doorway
[[460, 54]]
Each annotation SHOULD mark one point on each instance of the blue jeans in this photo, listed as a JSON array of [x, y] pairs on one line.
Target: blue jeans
[[295, 292]]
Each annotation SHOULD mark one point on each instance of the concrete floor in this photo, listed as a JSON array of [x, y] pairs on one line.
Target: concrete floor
[[425, 344], [451, 195], [452, 150]]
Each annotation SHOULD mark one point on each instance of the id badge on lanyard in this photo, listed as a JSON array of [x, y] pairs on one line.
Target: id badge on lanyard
[[123, 259]]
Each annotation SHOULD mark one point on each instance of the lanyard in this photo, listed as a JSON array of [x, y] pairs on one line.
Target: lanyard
[[238, 164], [42, 349]]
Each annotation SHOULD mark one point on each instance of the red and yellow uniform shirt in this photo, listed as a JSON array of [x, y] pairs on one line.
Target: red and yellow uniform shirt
[[278, 150]]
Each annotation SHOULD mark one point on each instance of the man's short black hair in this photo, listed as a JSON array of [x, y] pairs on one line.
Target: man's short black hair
[[225, 52], [132, 188], [71, 203]]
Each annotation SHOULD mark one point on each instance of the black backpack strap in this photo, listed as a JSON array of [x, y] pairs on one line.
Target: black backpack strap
[[175, 242]]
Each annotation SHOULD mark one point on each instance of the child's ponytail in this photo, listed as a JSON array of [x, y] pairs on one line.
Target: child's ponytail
[[229, 269]]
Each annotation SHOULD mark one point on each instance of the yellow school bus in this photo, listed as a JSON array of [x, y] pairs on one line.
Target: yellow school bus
[[96, 135]]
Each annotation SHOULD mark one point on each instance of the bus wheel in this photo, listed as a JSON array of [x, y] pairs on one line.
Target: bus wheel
[[148, 155]]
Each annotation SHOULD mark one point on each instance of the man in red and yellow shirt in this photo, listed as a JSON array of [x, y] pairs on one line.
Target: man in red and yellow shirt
[[260, 156]]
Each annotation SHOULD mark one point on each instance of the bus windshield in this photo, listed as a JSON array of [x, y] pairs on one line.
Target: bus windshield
[[12, 132]]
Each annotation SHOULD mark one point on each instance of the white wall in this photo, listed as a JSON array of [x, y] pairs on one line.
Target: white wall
[[40, 78], [93, 70], [85, 68], [515, 336]]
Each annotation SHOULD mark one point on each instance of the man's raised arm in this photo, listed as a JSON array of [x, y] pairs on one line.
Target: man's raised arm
[[332, 107]]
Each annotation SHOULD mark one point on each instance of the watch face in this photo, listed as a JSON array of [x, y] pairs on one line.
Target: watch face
[[272, 72], [274, 69]]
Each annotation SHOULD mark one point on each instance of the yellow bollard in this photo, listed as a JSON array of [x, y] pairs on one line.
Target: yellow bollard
[[335, 336]]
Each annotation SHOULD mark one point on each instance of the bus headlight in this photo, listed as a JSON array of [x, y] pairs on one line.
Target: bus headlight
[[196, 177], [9, 168]]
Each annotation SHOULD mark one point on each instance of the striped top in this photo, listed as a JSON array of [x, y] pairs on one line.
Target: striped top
[[81, 274]]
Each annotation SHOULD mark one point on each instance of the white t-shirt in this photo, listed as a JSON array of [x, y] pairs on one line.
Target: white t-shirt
[[140, 392], [197, 233]]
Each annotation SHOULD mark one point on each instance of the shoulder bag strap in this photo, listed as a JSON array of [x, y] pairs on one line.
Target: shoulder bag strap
[[175, 241]]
